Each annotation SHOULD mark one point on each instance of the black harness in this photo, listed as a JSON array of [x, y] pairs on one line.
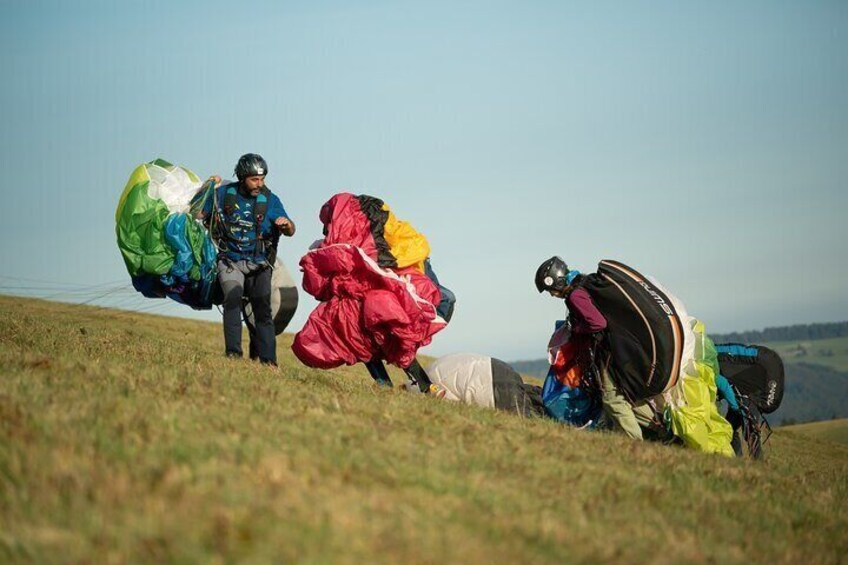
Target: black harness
[[221, 234]]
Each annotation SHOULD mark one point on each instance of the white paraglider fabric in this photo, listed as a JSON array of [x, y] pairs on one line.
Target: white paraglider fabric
[[172, 186], [465, 377]]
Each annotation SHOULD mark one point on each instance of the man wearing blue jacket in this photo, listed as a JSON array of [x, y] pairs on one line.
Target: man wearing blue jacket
[[246, 219]]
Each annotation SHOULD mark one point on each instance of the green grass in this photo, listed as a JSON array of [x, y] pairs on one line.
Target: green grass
[[832, 352], [128, 437], [830, 430]]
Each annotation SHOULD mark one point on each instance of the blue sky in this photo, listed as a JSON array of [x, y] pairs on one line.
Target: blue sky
[[703, 143]]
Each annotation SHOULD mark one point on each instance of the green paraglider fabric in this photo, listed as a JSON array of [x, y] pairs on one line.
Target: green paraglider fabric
[[167, 252], [698, 422], [140, 233]]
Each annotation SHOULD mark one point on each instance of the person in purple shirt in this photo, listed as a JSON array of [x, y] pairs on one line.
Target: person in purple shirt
[[587, 324]]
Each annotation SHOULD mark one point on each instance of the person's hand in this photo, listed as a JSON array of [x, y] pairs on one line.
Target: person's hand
[[285, 225]]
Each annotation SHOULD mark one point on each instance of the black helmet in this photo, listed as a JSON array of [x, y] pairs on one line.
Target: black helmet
[[552, 275], [251, 165]]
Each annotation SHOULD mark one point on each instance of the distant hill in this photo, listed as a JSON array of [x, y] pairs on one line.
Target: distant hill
[[816, 369], [830, 352], [831, 430], [798, 332], [534, 367], [813, 392]]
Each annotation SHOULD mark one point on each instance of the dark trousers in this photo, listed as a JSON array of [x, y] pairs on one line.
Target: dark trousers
[[735, 419], [240, 279], [415, 372]]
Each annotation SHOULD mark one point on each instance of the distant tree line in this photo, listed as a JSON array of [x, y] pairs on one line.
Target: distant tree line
[[786, 333]]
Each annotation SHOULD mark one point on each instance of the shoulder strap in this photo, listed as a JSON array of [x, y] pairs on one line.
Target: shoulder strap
[[230, 198], [261, 207], [223, 204]]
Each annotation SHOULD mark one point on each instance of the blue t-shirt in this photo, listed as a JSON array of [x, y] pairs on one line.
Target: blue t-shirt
[[240, 222]]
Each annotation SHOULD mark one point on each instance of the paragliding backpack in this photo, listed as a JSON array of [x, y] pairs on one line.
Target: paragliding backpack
[[644, 333], [757, 376], [755, 371]]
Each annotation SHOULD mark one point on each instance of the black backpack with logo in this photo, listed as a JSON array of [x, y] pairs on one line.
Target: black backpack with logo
[[644, 332], [756, 374], [755, 371]]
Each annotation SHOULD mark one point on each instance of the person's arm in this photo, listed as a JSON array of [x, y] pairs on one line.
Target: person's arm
[[277, 215], [206, 210], [588, 319], [725, 391]]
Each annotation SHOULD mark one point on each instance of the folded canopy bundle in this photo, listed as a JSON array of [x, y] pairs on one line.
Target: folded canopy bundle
[[368, 274], [166, 252]]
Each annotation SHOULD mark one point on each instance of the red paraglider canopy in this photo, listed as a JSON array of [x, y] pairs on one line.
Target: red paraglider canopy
[[366, 310]]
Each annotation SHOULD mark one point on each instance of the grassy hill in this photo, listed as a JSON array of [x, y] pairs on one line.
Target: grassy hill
[[128, 437], [831, 430]]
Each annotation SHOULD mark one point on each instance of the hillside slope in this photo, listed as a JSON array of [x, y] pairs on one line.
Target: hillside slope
[[830, 430], [127, 437]]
